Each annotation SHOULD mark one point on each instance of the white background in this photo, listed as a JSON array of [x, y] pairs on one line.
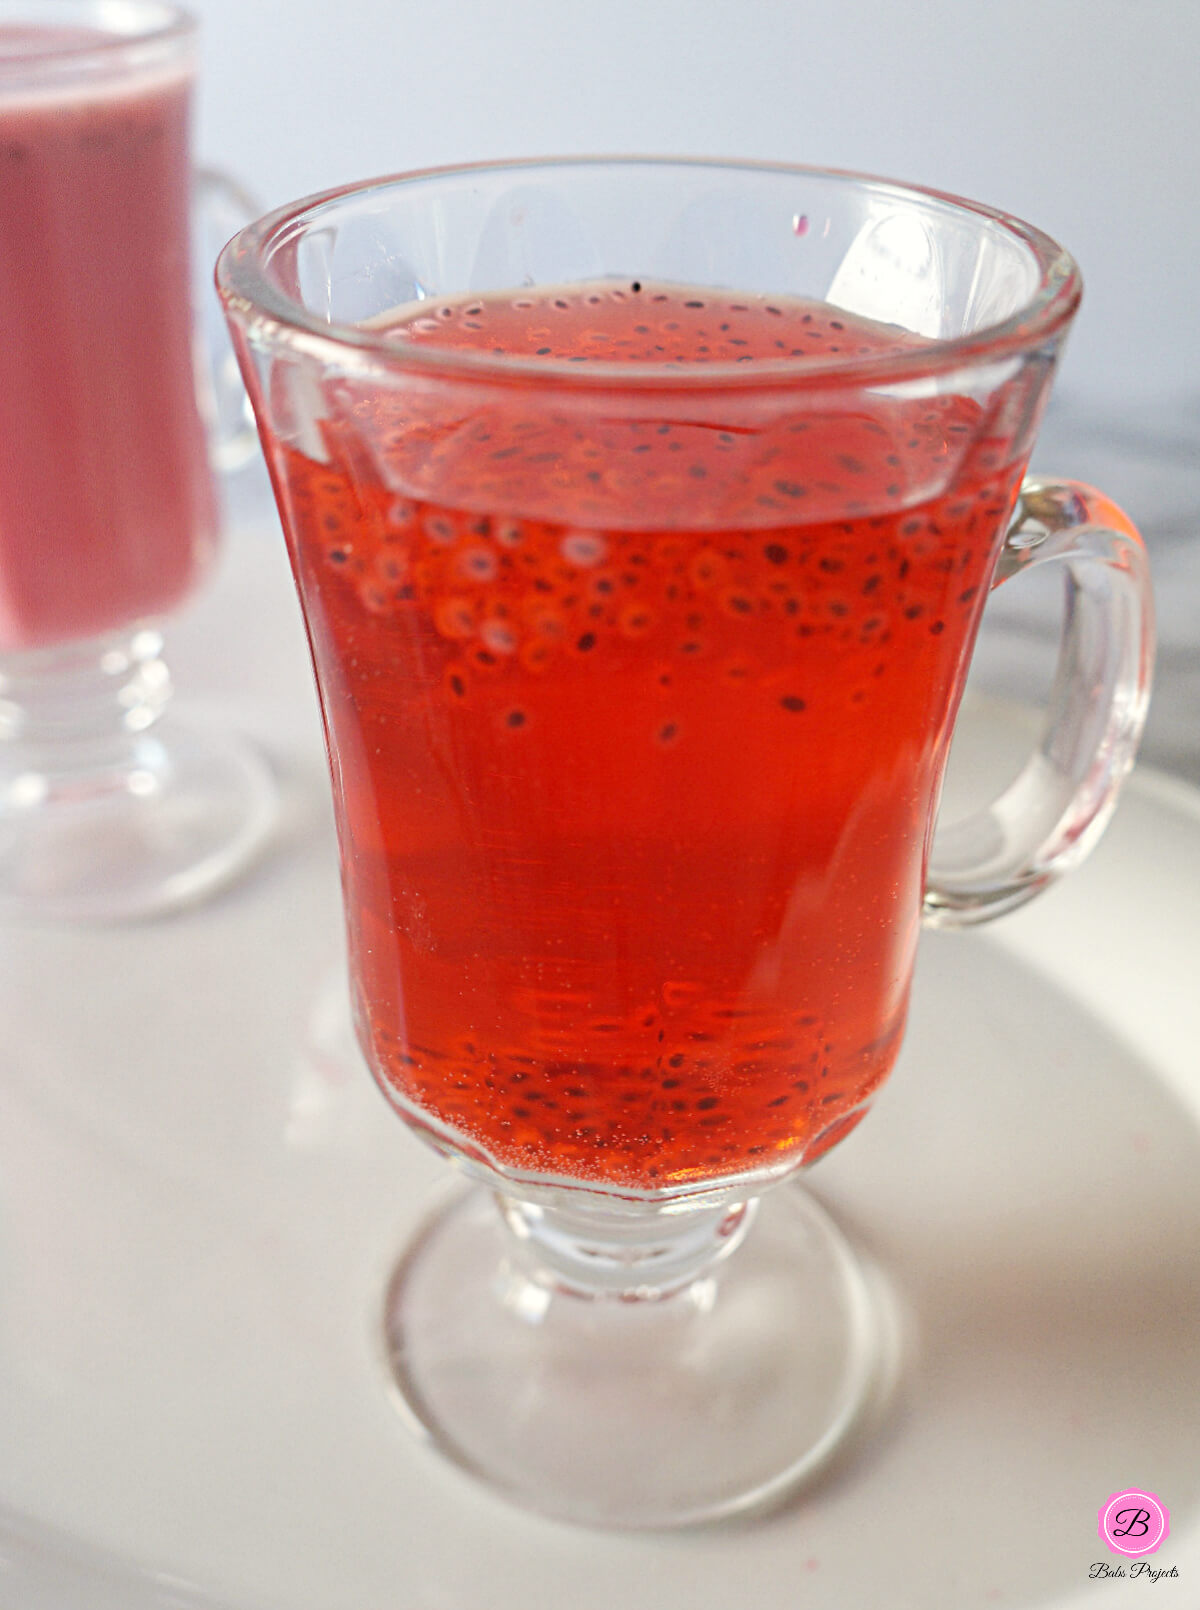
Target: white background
[[1082, 116]]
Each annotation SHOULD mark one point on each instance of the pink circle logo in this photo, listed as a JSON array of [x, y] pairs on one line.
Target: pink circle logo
[[1133, 1522]]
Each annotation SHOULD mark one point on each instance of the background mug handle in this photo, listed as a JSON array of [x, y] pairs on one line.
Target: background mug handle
[[1049, 818], [220, 207]]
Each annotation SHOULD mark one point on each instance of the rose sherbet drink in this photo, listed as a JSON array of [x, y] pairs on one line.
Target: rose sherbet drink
[[731, 658], [106, 505], [642, 514]]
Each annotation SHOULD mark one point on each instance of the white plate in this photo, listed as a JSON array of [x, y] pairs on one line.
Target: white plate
[[198, 1207]]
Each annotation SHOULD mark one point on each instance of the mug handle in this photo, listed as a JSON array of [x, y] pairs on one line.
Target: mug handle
[[220, 207], [1050, 817]]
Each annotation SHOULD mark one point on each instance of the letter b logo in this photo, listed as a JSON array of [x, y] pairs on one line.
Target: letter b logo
[[1133, 1523]]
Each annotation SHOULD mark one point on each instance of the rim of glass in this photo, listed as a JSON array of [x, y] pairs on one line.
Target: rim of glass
[[122, 23], [250, 294]]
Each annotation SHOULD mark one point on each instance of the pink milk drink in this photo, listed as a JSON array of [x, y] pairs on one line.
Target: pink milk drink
[[107, 507]]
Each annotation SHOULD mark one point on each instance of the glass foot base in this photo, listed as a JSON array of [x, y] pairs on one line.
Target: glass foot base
[[651, 1410], [196, 806]]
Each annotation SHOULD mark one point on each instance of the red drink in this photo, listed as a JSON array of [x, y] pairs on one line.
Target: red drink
[[639, 717], [106, 509]]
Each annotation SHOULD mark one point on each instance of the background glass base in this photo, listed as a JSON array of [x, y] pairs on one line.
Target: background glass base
[[646, 1410], [166, 833]]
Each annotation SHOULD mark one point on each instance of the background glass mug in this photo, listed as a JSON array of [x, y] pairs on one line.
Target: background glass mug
[[642, 514], [108, 518]]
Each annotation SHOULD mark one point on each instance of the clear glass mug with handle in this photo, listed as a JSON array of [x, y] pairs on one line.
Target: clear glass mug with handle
[[642, 515], [108, 518]]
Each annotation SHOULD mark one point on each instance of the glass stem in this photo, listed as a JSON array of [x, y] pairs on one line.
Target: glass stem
[[74, 720], [593, 1252]]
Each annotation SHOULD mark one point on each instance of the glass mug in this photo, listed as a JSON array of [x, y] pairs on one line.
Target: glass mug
[[642, 515], [108, 517]]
